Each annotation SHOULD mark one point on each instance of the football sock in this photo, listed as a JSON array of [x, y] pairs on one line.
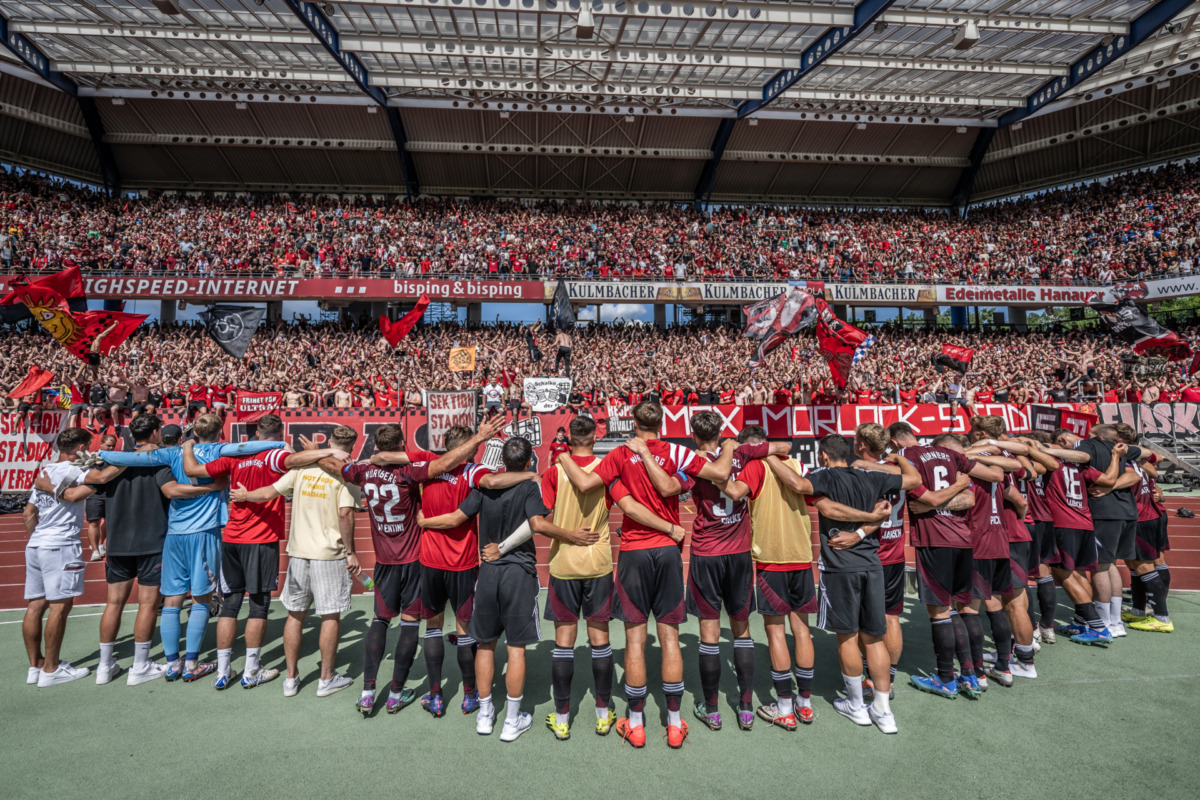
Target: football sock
[[1114, 607], [854, 690], [223, 658], [1102, 612], [435, 653], [367, 693], [252, 660], [943, 647], [783, 691], [710, 674], [406, 651], [562, 671], [466, 662], [1002, 636], [106, 653], [1030, 596], [1164, 571], [674, 695], [804, 681], [892, 673], [1025, 654], [168, 632], [974, 627], [1137, 595], [636, 695], [1047, 600], [962, 644], [197, 625], [1156, 592], [512, 711], [141, 654], [373, 646], [486, 709], [743, 664], [1086, 614], [602, 676]]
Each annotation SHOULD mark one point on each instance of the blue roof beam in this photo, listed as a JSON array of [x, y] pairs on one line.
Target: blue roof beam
[[32, 56], [319, 25]]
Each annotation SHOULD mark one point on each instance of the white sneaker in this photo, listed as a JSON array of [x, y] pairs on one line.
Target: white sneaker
[[1037, 633], [1117, 630], [514, 729], [1047, 635], [1037, 644], [106, 672], [64, 674], [147, 673], [291, 687], [260, 677], [1019, 670], [858, 716], [32, 678], [484, 723], [334, 684], [1004, 678], [885, 722]]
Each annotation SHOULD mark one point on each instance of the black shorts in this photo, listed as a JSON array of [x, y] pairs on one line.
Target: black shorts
[[252, 568], [397, 590], [1018, 566], [716, 581], [1076, 549], [1151, 538], [195, 408], [1115, 539], [441, 586], [505, 603], [853, 602], [1163, 537], [989, 576], [893, 589], [649, 582], [77, 408], [1045, 548], [24, 407], [146, 568], [779, 594], [944, 575], [569, 599], [93, 508]]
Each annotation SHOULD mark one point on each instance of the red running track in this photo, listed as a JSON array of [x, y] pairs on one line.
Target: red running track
[[1184, 557]]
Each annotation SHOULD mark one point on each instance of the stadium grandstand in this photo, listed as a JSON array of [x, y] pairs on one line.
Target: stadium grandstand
[[879, 317]]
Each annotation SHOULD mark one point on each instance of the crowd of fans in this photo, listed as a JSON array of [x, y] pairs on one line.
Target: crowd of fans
[[349, 364], [1133, 227]]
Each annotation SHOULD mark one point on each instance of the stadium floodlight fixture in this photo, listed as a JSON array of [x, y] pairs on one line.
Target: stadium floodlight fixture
[[1162, 84], [960, 129], [966, 36], [860, 126], [504, 115], [118, 101], [1107, 40], [753, 122], [372, 109], [1016, 126], [240, 105], [585, 24], [170, 7], [881, 26], [629, 117]]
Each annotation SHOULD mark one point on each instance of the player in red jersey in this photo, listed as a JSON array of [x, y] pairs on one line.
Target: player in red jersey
[[942, 540], [250, 544], [649, 577], [992, 578], [721, 572], [449, 562], [1152, 576], [1067, 490], [392, 498], [1043, 549]]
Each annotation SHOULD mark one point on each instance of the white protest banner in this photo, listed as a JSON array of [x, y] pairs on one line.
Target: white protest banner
[[445, 410], [25, 448], [547, 394]]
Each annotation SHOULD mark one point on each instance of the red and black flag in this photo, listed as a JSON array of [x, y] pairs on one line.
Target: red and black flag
[[772, 320], [87, 334], [955, 357], [396, 331], [1131, 325], [69, 287], [838, 339]]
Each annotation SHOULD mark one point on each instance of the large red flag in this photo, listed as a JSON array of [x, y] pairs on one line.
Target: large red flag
[[87, 334], [772, 320], [394, 332], [838, 340], [33, 382]]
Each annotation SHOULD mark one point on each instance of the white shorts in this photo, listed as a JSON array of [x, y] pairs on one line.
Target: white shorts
[[55, 573], [322, 584]]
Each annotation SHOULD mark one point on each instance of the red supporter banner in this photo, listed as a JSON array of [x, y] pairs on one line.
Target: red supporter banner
[[252, 406], [283, 288], [1050, 419]]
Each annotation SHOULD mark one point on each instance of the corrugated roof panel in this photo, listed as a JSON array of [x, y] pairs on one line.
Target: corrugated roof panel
[[147, 165]]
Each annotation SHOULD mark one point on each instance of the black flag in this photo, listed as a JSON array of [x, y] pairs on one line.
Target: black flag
[[1131, 325], [562, 316], [232, 327]]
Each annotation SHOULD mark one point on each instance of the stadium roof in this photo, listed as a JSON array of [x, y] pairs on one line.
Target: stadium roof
[[924, 102]]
